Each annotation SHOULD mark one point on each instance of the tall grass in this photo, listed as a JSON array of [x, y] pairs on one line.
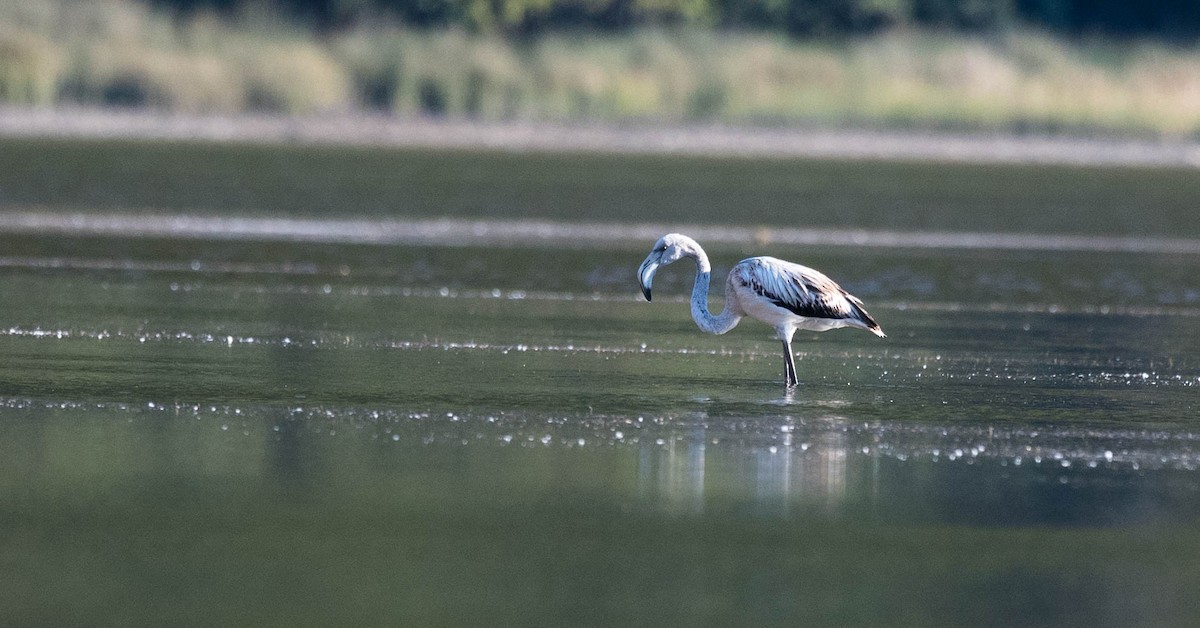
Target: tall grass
[[123, 53], [116, 52]]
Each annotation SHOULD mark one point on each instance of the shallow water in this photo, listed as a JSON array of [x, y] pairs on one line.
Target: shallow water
[[498, 430]]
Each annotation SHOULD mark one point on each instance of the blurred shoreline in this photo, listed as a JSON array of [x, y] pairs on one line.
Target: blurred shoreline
[[640, 138]]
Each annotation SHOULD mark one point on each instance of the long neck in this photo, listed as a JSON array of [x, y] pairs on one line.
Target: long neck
[[720, 323]]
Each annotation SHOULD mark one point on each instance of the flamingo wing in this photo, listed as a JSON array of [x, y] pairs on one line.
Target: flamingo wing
[[801, 290]]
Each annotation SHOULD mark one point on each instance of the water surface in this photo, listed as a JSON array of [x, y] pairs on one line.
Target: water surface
[[272, 429]]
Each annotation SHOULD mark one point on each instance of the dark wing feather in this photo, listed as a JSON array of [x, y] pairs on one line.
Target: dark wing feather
[[801, 290]]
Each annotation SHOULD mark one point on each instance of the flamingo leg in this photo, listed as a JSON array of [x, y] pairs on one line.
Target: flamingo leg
[[789, 365]]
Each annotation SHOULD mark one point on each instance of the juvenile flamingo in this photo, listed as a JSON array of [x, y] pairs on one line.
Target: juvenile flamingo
[[781, 294]]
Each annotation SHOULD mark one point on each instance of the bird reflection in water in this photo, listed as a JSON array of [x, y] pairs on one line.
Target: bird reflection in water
[[685, 472]]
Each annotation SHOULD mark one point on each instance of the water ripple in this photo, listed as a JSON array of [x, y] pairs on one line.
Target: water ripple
[[893, 367], [821, 435], [459, 232]]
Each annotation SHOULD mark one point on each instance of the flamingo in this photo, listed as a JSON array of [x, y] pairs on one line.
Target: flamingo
[[781, 294]]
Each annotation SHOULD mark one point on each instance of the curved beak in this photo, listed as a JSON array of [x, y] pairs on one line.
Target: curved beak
[[646, 273]]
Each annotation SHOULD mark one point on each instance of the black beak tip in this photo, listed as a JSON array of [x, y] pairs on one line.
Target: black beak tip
[[646, 293]]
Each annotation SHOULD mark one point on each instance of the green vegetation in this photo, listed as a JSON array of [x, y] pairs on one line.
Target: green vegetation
[[1163, 19], [114, 53]]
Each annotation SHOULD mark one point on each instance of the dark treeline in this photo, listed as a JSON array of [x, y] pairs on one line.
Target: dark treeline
[[1175, 20]]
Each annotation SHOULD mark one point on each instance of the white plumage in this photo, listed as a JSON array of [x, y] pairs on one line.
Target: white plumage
[[781, 294]]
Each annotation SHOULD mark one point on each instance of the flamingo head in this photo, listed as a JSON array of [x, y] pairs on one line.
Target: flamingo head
[[668, 249]]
